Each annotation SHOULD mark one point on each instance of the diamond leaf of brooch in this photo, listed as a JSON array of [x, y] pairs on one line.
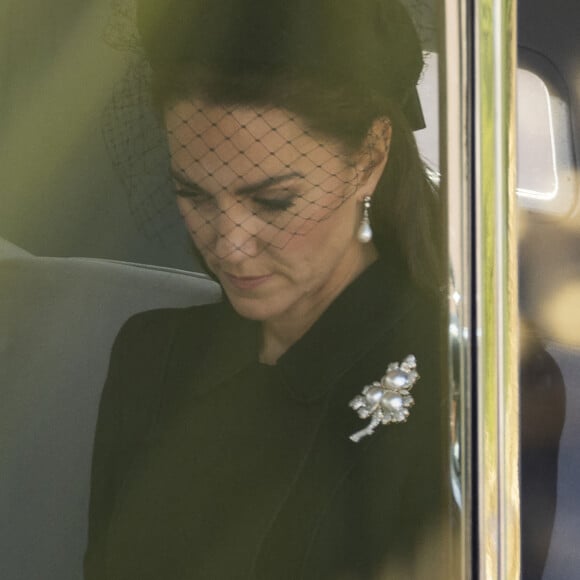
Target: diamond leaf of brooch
[[388, 400]]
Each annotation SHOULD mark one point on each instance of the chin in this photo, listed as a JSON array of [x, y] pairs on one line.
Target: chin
[[253, 309]]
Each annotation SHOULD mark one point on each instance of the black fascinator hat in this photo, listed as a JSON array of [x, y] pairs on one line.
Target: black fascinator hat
[[358, 47]]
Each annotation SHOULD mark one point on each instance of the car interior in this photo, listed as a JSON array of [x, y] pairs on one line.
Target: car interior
[[72, 256]]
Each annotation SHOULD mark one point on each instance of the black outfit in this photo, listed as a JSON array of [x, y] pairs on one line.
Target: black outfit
[[210, 465]]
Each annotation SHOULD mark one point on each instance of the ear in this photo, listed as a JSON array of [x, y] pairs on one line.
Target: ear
[[372, 158]]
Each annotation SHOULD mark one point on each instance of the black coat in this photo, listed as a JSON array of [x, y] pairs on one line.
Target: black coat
[[210, 465]]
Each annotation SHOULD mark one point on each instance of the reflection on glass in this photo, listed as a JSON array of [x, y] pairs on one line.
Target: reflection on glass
[[549, 293], [547, 183], [537, 175]]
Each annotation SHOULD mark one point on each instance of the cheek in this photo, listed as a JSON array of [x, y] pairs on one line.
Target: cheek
[[328, 243], [196, 225], [336, 232], [305, 257]]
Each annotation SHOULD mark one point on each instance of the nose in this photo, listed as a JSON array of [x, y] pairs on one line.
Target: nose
[[237, 230]]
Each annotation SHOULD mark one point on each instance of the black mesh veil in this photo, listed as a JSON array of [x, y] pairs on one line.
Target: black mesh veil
[[258, 169], [249, 178], [138, 150]]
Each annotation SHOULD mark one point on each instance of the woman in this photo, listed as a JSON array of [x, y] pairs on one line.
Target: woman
[[230, 442]]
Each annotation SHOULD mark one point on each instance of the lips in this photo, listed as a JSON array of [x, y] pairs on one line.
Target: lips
[[247, 282]]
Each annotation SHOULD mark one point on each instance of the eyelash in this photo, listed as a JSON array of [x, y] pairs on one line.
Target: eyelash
[[276, 204], [195, 196], [271, 205]]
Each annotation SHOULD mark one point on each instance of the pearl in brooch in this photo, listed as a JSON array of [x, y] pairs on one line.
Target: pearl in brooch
[[388, 400]]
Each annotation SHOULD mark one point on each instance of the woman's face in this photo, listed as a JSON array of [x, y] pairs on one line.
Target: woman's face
[[273, 209]]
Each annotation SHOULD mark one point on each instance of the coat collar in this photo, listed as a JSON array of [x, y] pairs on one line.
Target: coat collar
[[365, 311]]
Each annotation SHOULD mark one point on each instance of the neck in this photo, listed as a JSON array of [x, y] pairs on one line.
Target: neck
[[281, 332]]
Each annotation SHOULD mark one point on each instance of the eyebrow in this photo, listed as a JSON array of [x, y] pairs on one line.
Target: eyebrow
[[244, 190], [268, 182]]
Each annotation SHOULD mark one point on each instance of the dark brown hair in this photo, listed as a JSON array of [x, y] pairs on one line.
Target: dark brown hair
[[338, 65]]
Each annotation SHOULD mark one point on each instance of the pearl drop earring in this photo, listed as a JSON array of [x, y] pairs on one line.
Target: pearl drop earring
[[365, 232]]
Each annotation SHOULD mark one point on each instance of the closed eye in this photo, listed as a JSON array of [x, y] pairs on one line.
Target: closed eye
[[266, 198], [276, 203], [196, 194], [187, 189]]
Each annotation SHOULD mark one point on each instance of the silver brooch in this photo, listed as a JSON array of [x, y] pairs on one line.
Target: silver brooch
[[388, 400]]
